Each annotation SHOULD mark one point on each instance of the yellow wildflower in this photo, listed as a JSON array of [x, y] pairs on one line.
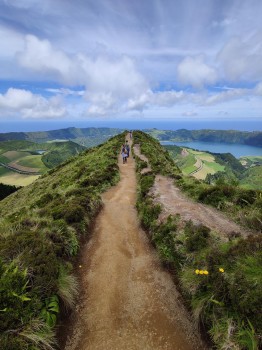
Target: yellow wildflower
[[205, 272], [197, 272], [221, 270], [201, 272]]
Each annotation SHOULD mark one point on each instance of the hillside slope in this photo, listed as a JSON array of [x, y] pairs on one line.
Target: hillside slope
[[41, 227], [253, 138], [219, 274], [60, 134]]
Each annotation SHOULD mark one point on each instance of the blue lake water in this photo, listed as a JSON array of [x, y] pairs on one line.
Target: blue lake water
[[237, 150]]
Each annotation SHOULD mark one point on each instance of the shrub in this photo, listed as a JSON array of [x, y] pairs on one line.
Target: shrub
[[196, 237]]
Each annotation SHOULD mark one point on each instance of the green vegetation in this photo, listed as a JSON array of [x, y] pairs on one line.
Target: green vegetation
[[20, 154], [219, 168], [252, 178], [224, 136], [249, 161], [221, 280], [160, 160], [62, 134], [41, 229]]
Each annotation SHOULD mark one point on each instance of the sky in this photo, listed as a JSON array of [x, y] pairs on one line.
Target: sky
[[130, 59]]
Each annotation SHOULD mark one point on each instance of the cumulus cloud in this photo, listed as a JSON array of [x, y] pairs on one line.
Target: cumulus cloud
[[109, 81], [158, 98], [23, 102], [39, 56], [195, 72]]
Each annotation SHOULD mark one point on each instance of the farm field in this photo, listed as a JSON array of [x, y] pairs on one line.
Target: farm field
[[197, 163], [32, 159], [15, 179]]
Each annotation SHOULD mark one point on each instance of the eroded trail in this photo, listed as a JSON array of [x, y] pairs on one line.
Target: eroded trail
[[129, 302], [173, 202]]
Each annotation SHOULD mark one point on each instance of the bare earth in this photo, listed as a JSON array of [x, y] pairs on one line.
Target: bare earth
[[128, 302], [174, 202]]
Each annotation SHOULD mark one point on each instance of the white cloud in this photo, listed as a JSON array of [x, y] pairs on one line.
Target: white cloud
[[40, 56], [189, 114], [227, 95], [258, 89], [194, 71], [28, 105], [242, 60], [109, 82]]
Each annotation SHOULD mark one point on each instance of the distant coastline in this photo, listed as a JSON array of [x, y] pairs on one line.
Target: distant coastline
[[26, 126]]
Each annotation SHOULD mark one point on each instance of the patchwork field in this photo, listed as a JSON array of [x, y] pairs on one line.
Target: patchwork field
[[15, 179], [197, 163], [22, 162]]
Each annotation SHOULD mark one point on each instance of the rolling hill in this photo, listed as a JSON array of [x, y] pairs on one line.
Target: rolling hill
[[43, 226], [62, 134], [221, 136], [21, 162]]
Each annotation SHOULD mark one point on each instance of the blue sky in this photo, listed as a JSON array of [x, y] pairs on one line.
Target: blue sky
[[115, 59]]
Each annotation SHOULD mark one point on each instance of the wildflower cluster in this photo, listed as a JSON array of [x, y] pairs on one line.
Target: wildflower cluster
[[201, 272], [205, 272]]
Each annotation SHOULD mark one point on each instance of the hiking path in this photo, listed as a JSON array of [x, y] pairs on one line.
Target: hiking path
[[127, 301]]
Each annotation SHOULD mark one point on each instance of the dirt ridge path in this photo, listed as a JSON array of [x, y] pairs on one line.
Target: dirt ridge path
[[173, 201], [128, 302]]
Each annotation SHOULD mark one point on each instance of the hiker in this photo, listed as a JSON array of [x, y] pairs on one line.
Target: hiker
[[127, 148], [130, 134], [124, 154]]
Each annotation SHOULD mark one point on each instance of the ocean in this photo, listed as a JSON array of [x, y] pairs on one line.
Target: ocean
[[246, 125]]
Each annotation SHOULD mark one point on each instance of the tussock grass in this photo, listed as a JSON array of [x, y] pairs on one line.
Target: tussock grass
[[221, 281], [41, 230]]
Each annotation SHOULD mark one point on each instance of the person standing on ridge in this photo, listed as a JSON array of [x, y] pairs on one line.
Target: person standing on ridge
[[127, 148], [124, 154]]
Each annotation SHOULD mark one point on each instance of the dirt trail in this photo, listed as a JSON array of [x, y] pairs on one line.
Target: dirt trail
[[128, 302], [175, 202]]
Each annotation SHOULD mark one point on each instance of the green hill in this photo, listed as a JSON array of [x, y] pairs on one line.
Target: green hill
[[252, 178], [219, 167], [62, 134], [41, 227], [220, 279], [253, 138], [22, 161]]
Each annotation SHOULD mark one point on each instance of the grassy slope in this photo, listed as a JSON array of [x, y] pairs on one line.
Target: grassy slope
[[221, 281], [252, 178], [41, 227], [60, 134]]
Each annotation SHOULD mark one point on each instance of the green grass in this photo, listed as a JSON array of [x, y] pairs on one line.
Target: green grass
[[4, 159], [33, 161], [215, 166], [225, 299], [252, 178], [41, 230], [4, 171]]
